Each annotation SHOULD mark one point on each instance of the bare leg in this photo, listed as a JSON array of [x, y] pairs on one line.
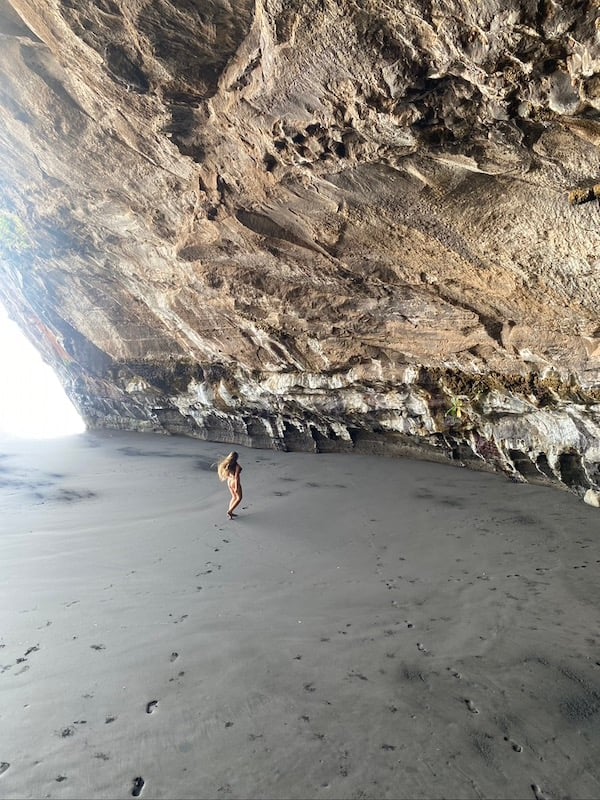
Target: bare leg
[[236, 499], [232, 501]]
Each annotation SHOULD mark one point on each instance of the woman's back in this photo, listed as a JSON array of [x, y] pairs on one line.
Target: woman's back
[[229, 467]]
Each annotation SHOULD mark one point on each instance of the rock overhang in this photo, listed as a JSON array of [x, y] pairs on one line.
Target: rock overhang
[[313, 225]]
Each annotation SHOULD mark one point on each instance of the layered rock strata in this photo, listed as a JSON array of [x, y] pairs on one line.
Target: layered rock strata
[[316, 225]]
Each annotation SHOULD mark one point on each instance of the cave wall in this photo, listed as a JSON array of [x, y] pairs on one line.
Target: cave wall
[[312, 224]]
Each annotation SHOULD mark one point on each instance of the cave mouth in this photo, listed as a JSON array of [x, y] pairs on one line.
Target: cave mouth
[[33, 404]]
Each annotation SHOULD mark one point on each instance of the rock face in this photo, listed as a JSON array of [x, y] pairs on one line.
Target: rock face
[[313, 224]]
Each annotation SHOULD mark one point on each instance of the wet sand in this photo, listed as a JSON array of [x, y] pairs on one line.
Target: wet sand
[[366, 628]]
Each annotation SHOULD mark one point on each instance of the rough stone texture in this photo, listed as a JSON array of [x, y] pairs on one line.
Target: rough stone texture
[[312, 224]]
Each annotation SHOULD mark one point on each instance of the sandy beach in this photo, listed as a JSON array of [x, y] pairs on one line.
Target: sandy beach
[[366, 628]]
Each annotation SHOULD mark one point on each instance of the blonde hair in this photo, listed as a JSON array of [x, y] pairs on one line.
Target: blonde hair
[[224, 468]]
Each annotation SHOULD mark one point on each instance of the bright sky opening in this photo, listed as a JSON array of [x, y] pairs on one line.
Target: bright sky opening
[[33, 404]]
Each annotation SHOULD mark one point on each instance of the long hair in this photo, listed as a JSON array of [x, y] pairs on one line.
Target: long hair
[[226, 467]]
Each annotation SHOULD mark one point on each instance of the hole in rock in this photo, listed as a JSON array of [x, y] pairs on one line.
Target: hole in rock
[[270, 162], [544, 466], [33, 404], [462, 451], [524, 464], [571, 470]]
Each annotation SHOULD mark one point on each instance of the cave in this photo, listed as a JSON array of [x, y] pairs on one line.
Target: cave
[[266, 224]]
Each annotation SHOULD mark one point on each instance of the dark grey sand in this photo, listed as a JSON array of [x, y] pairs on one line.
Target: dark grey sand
[[367, 628]]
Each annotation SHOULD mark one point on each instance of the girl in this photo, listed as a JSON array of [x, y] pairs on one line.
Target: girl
[[229, 470]]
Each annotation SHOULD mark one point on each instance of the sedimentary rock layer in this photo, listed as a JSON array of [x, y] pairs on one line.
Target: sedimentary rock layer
[[317, 225]]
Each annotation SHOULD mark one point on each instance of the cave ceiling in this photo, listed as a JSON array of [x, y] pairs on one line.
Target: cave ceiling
[[313, 224]]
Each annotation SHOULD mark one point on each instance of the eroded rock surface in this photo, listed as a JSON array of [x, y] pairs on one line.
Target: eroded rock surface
[[313, 224]]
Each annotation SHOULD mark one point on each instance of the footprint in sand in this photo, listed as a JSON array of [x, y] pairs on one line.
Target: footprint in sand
[[4, 765], [211, 567], [151, 706], [174, 656], [358, 675], [539, 795], [516, 747], [138, 785], [422, 648], [472, 707]]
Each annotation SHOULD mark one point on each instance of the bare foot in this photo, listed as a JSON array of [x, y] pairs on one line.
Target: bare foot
[[230, 515]]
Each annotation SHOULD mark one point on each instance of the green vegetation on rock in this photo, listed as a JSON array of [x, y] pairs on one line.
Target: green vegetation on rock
[[14, 238]]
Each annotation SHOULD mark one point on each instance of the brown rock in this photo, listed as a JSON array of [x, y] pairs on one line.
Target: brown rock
[[311, 225]]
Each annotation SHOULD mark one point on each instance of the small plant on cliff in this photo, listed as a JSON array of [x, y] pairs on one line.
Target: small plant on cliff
[[457, 406], [13, 234]]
